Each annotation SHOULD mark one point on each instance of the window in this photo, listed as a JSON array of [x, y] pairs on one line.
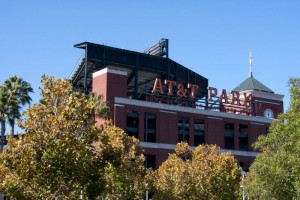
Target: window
[[150, 127], [132, 123], [267, 130], [229, 136], [183, 129], [243, 137], [150, 161], [199, 132]]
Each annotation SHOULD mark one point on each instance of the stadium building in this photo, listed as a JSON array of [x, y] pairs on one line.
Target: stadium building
[[162, 102]]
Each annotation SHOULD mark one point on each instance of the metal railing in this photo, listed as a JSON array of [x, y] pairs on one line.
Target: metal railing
[[77, 66]]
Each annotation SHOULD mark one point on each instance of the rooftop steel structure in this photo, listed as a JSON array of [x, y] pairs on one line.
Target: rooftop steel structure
[[142, 68]]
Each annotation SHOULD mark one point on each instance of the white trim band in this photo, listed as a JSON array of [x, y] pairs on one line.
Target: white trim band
[[215, 118], [175, 108], [257, 123], [118, 105], [164, 111], [172, 147]]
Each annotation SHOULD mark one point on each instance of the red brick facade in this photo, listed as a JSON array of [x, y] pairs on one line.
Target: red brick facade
[[112, 84]]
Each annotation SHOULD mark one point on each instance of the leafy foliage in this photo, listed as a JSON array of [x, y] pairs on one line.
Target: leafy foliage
[[275, 174], [64, 155], [124, 173], [204, 173], [15, 93], [101, 107]]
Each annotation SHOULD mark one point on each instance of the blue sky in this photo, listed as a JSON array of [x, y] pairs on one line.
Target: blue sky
[[213, 38]]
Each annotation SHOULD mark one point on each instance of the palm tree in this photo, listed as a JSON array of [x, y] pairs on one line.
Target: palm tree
[[17, 91], [101, 108], [3, 114]]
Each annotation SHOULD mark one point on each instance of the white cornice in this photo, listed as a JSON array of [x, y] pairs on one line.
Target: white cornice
[[108, 70], [172, 147], [118, 105], [218, 118], [174, 108], [163, 111]]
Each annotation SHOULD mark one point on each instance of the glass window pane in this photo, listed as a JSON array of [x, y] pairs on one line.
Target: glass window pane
[[183, 129], [199, 132], [243, 137], [150, 127], [228, 136], [132, 123], [150, 161]]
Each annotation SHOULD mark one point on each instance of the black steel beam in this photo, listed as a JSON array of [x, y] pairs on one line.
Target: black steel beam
[[105, 55], [142, 83], [130, 77], [86, 69]]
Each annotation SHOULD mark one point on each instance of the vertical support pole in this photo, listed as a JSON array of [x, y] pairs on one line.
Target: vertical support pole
[[167, 48], [169, 70], [86, 69], [243, 186], [147, 195]]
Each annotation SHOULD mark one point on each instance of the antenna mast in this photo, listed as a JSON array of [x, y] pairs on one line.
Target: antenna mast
[[250, 62]]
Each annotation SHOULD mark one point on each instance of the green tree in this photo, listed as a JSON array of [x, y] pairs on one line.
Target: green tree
[[124, 172], [275, 173], [3, 114], [101, 107], [63, 154], [16, 92], [204, 173]]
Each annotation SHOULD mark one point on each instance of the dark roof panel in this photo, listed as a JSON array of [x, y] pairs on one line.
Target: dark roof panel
[[252, 84]]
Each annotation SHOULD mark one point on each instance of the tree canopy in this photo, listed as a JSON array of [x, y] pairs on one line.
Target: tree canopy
[[275, 173], [14, 93], [64, 154], [204, 173], [17, 93]]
